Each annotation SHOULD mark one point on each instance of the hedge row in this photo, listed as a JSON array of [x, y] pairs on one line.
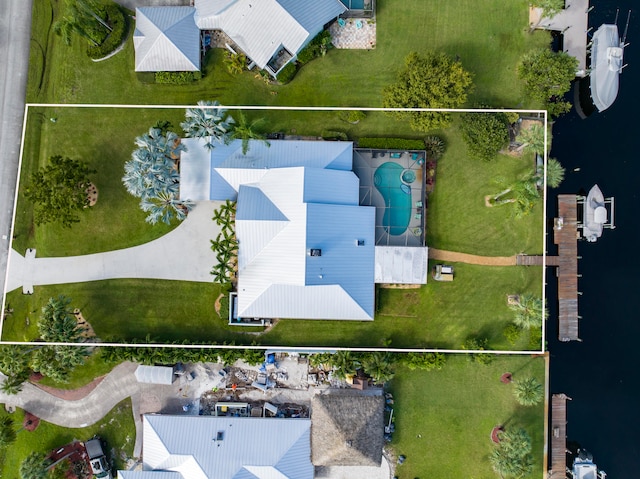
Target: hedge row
[[118, 23], [390, 144], [287, 73], [177, 78]]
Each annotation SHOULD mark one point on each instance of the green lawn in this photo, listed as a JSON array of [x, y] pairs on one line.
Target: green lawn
[[116, 428], [489, 36], [444, 418]]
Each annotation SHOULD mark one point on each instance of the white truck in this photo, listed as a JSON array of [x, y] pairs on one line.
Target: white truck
[[97, 459]]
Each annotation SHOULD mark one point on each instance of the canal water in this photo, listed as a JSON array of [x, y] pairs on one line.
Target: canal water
[[602, 373]]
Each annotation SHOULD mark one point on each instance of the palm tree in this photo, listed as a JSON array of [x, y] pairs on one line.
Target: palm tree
[[236, 62], [435, 146], [7, 432], [379, 366], [528, 312], [57, 322], [532, 139], [220, 273], [512, 458], [35, 466], [555, 173], [208, 121], [164, 206], [245, 131], [528, 391], [343, 363]]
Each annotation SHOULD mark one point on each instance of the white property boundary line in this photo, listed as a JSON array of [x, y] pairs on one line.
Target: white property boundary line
[[288, 348]]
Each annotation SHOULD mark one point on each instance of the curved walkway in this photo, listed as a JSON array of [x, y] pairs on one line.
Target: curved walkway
[[454, 257], [182, 254]]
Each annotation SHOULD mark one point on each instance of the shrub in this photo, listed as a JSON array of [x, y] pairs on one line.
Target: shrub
[[317, 47], [435, 146], [287, 73], [177, 78], [334, 135], [352, 116], [118, 23], [478, 344], [390, 144], [512, 333]]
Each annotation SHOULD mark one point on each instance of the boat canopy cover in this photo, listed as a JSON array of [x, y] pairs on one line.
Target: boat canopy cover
[[600, 215], [606, 64]]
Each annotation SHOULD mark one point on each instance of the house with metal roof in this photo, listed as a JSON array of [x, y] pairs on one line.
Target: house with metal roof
[[269, 32], [210, 447], [166, 39]]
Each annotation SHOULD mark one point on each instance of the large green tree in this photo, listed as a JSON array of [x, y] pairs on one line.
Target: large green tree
[[512, 458], [431, 80], [85, 18], [528, 312], [57, 323], [547, 76], [484, 133], [58, 191], [549, 7], [56, 362]]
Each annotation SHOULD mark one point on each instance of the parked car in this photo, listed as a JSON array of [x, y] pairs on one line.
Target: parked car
[[97, 459]]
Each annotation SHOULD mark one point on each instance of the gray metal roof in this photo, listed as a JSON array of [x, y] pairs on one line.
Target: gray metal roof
[[218, 174], [401, 264], [277, 277], [209, 447], [166, 39], [261, 27]]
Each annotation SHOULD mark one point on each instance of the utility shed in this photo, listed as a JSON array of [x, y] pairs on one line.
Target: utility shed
[[401, 264], [154, 374]]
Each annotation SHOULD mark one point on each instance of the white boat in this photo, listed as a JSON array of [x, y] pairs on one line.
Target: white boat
[[584, 468], [595, 216], [606, 64]]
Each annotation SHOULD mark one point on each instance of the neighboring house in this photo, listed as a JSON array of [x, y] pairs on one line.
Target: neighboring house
[[347, 429], [209, 447], [166, 39], [269, 32]]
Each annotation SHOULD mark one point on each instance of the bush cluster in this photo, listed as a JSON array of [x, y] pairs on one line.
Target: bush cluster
[[390, 143], [118, 23], [316, 47], [287, 73], [334, 135], [177, 78]]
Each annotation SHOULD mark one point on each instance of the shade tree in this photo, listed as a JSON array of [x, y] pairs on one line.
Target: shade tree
[[485, 133]]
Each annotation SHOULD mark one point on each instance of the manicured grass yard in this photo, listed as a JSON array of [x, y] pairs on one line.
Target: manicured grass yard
[[454, 411], [116, 428]]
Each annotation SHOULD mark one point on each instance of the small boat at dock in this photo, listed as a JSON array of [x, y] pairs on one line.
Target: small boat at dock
[[595, 215]]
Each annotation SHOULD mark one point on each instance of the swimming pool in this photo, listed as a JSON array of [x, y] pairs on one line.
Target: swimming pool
[[397, 197]]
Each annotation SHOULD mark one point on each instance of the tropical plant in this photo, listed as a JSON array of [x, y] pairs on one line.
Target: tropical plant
[[344, 363], [235, 62], [555, 173], [57, 323], [35, 466], [378, 365], [512, 457], [13, 384], [7, 432], [550, 8], [56, 362], [424, 361], [58, 191], [528, 311], [432, 80], [352, 116], [532, 139], [528, 391], [209, 121], [165, 206], [319, 360], [522, 194], [245, 131], [484, 133], [478, 344], [435, 146]]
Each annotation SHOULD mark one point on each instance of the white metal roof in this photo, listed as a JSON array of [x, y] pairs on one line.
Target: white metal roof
[[154, 374], [401, 264], [261, 27], [218, 174], [149, 475], [277, 276], [209, 447], [166, 39]]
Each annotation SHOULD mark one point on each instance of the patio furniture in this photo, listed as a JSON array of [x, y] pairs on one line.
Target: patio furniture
[[418, 204], [358, 24], [418, 216], [341, 22], [395, 155]]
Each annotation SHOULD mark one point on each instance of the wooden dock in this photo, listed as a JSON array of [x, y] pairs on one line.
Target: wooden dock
[[558, 436], [537, 260], [565, 235]]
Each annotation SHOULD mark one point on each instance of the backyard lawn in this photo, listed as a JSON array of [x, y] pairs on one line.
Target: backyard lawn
[[444, 418], [116, 428]]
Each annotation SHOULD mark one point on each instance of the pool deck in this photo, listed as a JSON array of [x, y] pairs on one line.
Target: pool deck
[[365, 164]]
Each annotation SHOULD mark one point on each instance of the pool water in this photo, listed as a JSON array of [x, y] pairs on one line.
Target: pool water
[[354, 4], [397, 197]]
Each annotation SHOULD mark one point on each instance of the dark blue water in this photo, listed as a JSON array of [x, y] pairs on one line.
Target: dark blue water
[[602, 374]]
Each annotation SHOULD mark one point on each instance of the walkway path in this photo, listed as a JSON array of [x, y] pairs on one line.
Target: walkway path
[[183, 254], [454, 257]]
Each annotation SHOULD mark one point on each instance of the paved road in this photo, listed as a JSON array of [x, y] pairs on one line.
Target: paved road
[[184, 254], [15, 30]]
